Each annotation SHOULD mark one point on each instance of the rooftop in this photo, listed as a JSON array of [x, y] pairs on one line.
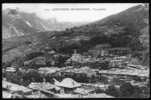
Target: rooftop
[[15, 87]]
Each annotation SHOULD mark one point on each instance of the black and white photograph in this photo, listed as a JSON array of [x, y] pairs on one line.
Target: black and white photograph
[[75, 50]]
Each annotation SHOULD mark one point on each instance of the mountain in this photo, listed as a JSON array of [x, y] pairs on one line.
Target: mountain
[[120, 30], [128, 29], [17, 23]]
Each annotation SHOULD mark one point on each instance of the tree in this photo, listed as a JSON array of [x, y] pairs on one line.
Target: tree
[[33, 75]]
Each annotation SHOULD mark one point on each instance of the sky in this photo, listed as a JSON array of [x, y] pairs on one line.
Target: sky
[[69, 12]]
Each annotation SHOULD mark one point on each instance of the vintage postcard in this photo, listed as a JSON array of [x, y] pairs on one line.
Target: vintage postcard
[[75, 50]]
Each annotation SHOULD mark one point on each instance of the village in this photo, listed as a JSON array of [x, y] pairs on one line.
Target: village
[[99, 74], [98, 53]]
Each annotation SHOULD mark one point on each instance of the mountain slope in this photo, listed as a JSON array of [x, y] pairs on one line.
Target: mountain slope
[[124, 29], [121, 29], [17, 23], [128, 29]]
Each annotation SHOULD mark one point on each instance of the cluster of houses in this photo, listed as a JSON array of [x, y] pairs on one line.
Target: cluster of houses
[[68, 87], [102, 55]]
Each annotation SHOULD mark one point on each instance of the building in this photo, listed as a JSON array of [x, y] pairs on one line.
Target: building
[[119, 51], [100, 50], [67, 85], [15, 87], [76, 58]]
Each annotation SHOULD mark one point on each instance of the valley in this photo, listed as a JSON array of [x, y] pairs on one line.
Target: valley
[[108, 58]]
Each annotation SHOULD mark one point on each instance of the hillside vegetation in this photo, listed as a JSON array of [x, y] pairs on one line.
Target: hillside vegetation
[[128, 29]]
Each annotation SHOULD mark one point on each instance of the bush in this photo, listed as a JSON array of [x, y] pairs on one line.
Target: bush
[[14, 77], [126, 90], [33, 75], [112, 90]]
